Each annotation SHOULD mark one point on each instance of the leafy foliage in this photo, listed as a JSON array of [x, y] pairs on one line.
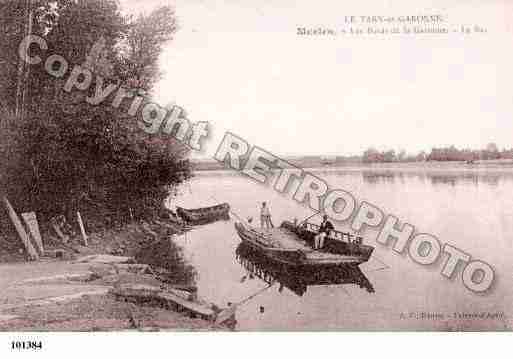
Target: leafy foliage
[[65, 155]]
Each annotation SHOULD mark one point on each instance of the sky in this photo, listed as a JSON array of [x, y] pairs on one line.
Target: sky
[[240, 65]]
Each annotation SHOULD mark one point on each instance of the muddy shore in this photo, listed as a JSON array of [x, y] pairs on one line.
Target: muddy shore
[[62, 292]]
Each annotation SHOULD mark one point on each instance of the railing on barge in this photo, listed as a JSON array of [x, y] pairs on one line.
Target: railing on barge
[[334, 234]]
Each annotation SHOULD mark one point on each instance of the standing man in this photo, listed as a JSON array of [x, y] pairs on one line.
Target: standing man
[[265, 217], [324, 230]]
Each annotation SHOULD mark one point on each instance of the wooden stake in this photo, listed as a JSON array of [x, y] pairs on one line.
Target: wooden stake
[[33, 227], [21, 231], [82, 230]]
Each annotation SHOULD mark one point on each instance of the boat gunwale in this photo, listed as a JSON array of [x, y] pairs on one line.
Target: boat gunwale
[[263, 246], [305, 260], [306, 229], [201, 210], [204, 215]]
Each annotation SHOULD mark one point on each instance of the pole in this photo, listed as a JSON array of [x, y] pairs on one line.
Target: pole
[[21, 231], [313, 215], [82, 229], [304, 220], [30, 219], [225, 314]]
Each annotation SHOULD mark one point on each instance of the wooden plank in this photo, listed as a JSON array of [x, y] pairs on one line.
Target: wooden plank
[[33, 226], [21, 231], [52, 300], [142, 290], [135, 268], [105, 258], [83, 275], [82, 229], [169, 298], [225, 315], [194, 307]]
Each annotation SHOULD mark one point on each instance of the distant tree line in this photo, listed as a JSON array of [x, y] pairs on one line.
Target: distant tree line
[[372, 155], [451, 153]]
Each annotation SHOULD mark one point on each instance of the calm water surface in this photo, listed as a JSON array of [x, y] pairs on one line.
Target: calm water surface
[[473, 212]]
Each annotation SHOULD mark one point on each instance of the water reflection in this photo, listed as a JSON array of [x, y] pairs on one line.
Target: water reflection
[[451, 179], [379, 177], [298, 280]]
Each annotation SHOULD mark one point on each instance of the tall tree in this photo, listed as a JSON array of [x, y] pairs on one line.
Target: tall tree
[[76, 155], [146, 37]]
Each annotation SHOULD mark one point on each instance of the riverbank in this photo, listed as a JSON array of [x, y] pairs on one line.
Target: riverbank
[[497, 166], [79, 290]]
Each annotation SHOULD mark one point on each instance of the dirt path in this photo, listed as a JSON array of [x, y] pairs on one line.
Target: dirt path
[[13, 290], [52, 295]]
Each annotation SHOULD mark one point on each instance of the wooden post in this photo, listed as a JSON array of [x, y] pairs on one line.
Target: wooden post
[[21, 231], [82, 230], [33, 227]]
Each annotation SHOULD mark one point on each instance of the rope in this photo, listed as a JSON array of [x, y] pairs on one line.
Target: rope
[[385, 266]]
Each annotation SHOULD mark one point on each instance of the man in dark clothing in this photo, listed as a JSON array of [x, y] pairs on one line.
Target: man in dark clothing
[[324, 231]]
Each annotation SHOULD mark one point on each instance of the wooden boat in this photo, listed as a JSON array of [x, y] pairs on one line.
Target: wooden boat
[[204, 215], [298, 279], [336, 242], [291, 245]]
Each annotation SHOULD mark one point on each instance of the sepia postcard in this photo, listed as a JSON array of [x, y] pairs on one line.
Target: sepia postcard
[[254, 166]]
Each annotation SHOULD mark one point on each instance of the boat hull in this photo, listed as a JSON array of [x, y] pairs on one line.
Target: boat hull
[[288, 257], [335, 254], [299, 278], [204, 215], [333, 245]]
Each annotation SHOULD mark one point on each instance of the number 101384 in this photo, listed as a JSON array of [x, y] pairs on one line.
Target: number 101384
[[26, 345]]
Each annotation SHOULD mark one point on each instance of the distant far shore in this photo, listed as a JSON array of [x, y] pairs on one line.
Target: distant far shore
[[500, 165]]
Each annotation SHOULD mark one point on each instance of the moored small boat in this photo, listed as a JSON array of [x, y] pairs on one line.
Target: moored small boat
[[290, 245], [204, 215]]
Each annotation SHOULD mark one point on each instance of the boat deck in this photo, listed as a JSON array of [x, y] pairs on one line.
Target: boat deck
[[284, 239]]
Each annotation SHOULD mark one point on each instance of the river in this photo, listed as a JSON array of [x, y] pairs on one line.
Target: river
[[472, 211]]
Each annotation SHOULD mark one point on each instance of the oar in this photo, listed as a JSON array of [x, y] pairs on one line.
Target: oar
[[304, 220], [225, 314], [313, 215]]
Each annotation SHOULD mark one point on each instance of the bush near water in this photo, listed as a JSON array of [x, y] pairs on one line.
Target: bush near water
[[60, 154]]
